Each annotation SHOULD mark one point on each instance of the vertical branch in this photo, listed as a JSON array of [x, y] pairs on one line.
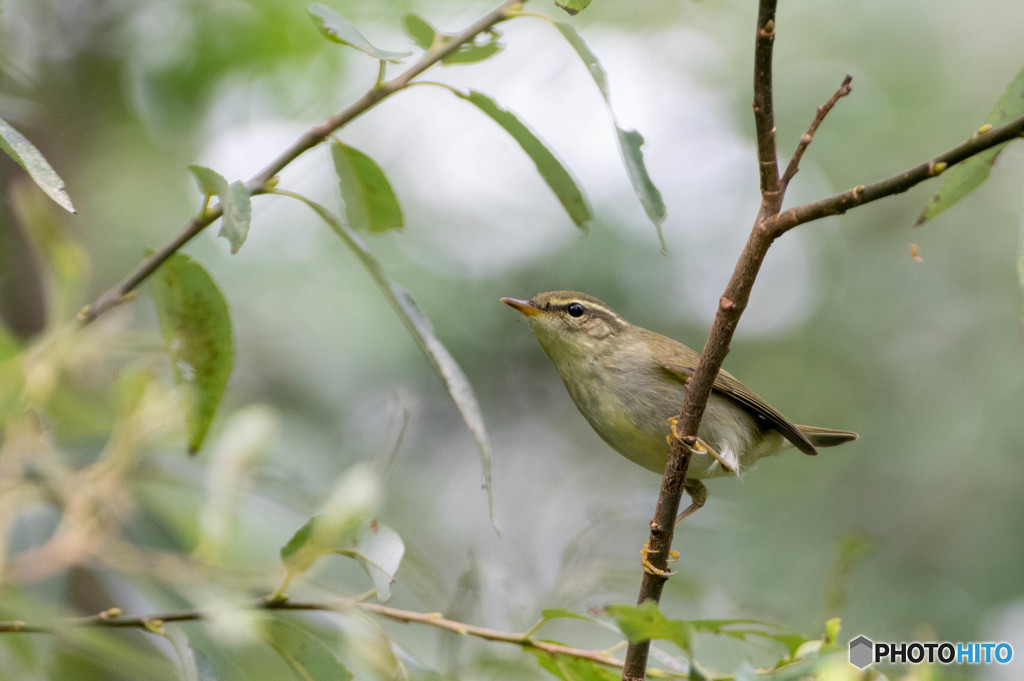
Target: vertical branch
[[730, 307]]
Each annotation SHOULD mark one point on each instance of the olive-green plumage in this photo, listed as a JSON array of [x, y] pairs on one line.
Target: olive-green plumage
[[628, 381]]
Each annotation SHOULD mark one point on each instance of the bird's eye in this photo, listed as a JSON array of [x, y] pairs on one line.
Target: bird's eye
[[575, 310]]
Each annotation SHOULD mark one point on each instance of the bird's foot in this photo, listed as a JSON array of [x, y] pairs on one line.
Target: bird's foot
[[700, 446], [650, 568]]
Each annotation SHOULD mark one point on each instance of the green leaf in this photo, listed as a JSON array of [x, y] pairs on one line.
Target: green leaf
[[196, 327], [417, 324], [32, 160], [210, 182], [234, 226], [419, 30], [745, 629], [306, 655], [551, 169], [337, 29], [370, 203], [482, 46], [645, 622], [629, 141], [573, 7], [574, 669], [966, 176], [561, 613], [236, 204]]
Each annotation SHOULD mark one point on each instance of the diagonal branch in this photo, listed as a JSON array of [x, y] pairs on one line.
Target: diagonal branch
[[861, 194], [805, 141], [764, 107], [258, 184]]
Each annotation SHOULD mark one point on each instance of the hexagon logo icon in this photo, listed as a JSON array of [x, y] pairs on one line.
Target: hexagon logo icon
[[861, 652]]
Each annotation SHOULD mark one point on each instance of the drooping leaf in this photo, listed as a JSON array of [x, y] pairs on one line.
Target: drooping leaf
[[234, 226], [370, 203], [966, 176], [573, 7], [421, 32], [483, 46], [196, 327], [561, 613], [235, 202], [629, 141], [25, 154], [306, 655], [574, 669], [645, 622], [550, 168], [417, 324], [338, 29], [746, 629]]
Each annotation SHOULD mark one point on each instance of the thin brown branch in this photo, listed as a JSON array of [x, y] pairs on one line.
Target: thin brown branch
[[764, 107], [805, 140], [858, 196], [311, 138], [113, 618]]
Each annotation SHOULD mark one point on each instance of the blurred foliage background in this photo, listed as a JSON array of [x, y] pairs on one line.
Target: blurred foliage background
[[912, 532]]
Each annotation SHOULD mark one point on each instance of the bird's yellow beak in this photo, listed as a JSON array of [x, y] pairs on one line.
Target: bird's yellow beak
[[524, 306]]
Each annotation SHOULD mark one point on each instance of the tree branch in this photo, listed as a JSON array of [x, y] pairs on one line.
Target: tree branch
[[311, 138], [805, 141], [858, 196], [764, 107], [112, 618]]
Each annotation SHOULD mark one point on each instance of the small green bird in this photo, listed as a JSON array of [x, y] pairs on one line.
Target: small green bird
[[629, 382]]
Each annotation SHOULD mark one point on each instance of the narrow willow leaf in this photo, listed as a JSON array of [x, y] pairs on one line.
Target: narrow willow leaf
[[629, 141], [370, 203], [645, 621], [305, 654], [561, 613], [444, 364], [573, 7], [551, 169], [32, 160], [234, 226], [196, 327], [210, 182], [419, 30], [966, 176], [338, 29], [574, 669]]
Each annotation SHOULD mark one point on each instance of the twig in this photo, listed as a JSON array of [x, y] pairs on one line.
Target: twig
[[805, 141], [731, 305], [858, 196], [311, 138], [112, 618]]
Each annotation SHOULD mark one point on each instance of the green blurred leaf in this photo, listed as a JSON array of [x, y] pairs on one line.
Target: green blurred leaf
[[745, 629], [574, 669], [482, 46], [294, 553], [370, 203], [966, 176], [573, 7], [306, 655], [234, 226], [645, 621], [210, 182], [629, 141], [561, 613], [338, 29], [32, 160], [419, 30], [236, 204], [551, 169], [417, 324], [196, 327]]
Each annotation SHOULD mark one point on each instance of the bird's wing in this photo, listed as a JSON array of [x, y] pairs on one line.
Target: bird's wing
[[682, 366]]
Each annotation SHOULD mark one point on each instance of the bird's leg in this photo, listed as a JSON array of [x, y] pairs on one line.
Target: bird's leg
[[698, 496], [700, 446]]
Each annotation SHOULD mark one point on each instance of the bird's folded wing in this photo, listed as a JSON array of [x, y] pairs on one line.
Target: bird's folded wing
[[726, 384]]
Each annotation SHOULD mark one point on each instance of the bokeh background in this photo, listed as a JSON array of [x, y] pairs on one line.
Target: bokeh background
[[914, 531]]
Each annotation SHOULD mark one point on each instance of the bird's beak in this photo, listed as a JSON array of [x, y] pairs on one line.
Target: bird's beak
[[524, 306]]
